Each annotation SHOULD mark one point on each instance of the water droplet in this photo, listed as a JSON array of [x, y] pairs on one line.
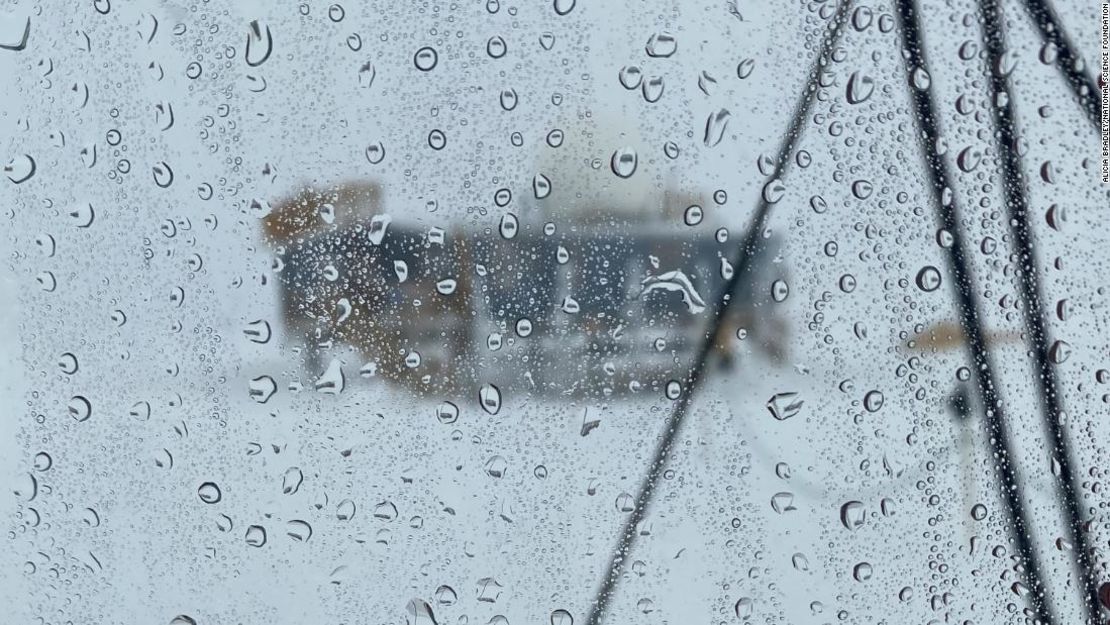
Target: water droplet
[[509, 99], [262, 388], [852, 515], [800, 562], [818, 204], [447, 413], [860, 88], [496, 467], [652, 89], [509, 226], [783, 502], [727, 269], [447, 286], [445, 595], [978, 512], [345, 510], [258, 331], [488, 590], [862, 189], [969, 158], [47, 281], [493, 342], [745, 68], [630, 77], [773, 191], [260, 43], [563, 7], [523, 327], [436, 139], [291, 480], [79, 408], [623, 162], [298, 530], [873, 401], [496, 47], [82, 215], [140, 410], [715, 127], [11, 40], [489, 397], [366, 75], [1056, 217], [661, 45], [780, 290], [744, 608], [693, 215], [43, 461], [255, 536], [928, 279], [541, 186], [375, 153], [20, 169], [67, 362], [862, 572], [379, 224], [673, 390], [784, 405], [562, 255], [674, 281], [425, 59], [209, 493], [1059, 352]]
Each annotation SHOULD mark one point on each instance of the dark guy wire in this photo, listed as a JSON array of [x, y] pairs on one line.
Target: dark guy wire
[[1014, 193], [1068, 61], [964, 288], [742, 265]]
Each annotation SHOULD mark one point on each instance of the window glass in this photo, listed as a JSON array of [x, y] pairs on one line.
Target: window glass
[[488, 312]]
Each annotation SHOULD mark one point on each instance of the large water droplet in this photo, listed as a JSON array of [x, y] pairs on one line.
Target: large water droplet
[[928, 279], [661, 45], [623, 162], [260, 44], [782, 406], [489, 397], [262, 388], [79, 408], [418, 612], [541, 186], [425, 59], [873, 401], [563, 7], [209, 493], [852, 515], [715, 127], [630, 76], [255, 536], [860, 88]]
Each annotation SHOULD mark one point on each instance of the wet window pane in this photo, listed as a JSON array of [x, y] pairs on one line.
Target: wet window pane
[[565, 311]]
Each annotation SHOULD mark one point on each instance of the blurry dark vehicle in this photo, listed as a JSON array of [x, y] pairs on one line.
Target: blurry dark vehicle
[[556, 308]]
